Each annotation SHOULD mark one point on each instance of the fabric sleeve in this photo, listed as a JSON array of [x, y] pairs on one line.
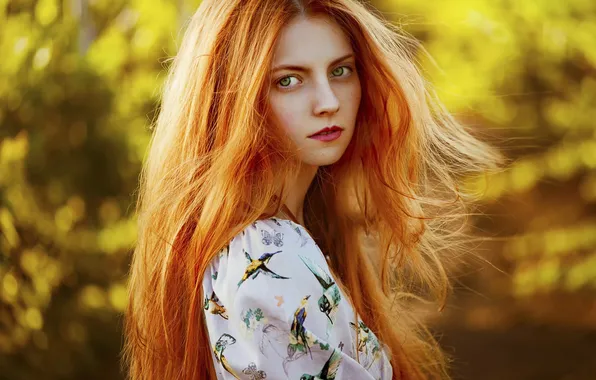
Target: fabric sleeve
[[273, 311]]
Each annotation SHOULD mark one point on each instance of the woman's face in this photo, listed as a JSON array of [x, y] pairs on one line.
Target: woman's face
[[315, 85]]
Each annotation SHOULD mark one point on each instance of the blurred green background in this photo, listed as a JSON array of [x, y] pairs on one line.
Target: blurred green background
[[79, 86]]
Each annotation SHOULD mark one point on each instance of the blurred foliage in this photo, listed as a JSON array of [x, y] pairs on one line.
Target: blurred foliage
[[525, 73], [78, 88], [79, 85]]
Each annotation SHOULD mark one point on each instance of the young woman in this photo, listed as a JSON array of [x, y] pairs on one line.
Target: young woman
[[291, 133]]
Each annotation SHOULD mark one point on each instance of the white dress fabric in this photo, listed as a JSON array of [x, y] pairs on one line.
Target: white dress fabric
[[273, 311]]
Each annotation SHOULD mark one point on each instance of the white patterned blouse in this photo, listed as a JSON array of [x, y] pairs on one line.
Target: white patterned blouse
[[274, 311]]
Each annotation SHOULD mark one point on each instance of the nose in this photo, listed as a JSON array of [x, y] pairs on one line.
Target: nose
[[325, 100]]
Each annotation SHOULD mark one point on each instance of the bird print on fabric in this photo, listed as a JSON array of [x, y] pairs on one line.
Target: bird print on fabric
[[274, 309], [368, 343], [299, 339], [224, 341], [329, 370], [257, 266], [276, 238], [276, 221], [224, 251], [214, 307], [329, 301], [304, 237]]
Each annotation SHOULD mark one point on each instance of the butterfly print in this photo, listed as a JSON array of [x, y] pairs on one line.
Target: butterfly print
[[254, 374], [276, 238]]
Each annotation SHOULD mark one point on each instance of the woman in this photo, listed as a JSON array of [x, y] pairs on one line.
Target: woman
[[291, 132]]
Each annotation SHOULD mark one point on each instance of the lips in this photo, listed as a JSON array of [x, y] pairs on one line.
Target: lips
[[327, 130]]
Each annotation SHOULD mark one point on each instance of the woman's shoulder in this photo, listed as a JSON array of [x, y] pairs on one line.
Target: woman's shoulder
[[270, 256], [267, 249], [276, 232], [272, 290], [271, 234]]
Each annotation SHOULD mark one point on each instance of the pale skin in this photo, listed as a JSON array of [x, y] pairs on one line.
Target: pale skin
[[320, 89]]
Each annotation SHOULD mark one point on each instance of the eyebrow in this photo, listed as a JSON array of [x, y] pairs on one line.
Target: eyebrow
[[304, 69]]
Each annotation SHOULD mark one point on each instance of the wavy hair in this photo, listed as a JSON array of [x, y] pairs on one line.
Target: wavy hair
[[216, 163]]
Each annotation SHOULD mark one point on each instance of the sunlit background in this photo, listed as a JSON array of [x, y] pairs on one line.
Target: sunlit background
[[79, 85]]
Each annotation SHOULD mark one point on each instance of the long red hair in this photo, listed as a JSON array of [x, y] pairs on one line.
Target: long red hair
[[216, 164]]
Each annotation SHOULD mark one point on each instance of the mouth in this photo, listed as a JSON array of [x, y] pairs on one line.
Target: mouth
[[327, 131]]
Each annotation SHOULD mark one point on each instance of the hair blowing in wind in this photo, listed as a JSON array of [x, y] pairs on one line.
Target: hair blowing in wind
[[215, 164]]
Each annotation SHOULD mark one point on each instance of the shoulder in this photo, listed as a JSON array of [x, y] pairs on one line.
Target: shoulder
[[264, 235], [275, 232], [273, 260], [261, 248], [273, 271], [258, 250]]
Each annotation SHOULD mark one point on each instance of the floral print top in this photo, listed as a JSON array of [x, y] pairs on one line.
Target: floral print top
[[274, 311]]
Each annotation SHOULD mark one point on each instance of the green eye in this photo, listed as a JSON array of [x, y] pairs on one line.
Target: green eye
[[338, 71], [342, 71], [288, 82], [285, 81]]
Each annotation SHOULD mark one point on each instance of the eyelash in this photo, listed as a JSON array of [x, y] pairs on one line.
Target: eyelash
[[286, 88]]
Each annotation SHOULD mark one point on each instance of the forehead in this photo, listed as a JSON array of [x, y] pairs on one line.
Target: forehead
[[311, 39]]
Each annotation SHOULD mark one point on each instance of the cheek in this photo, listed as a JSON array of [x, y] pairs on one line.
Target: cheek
[[354, 97], [287, 112], [350, 98]]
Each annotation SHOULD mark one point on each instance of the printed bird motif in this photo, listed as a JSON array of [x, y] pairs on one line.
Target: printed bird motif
[[297, 330], [225, 251], [257, 266], [329, 301], [213, 306], [221, 344], [363, 331], [329, 370], [367, 338], [303, 237]]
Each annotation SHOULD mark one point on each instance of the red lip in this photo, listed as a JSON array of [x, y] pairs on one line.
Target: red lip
[[328, 129]]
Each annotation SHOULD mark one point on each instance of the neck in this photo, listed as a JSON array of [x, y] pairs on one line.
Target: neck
[[294, 200]]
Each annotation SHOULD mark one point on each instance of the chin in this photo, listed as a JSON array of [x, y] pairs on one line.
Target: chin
[[328, 158]]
